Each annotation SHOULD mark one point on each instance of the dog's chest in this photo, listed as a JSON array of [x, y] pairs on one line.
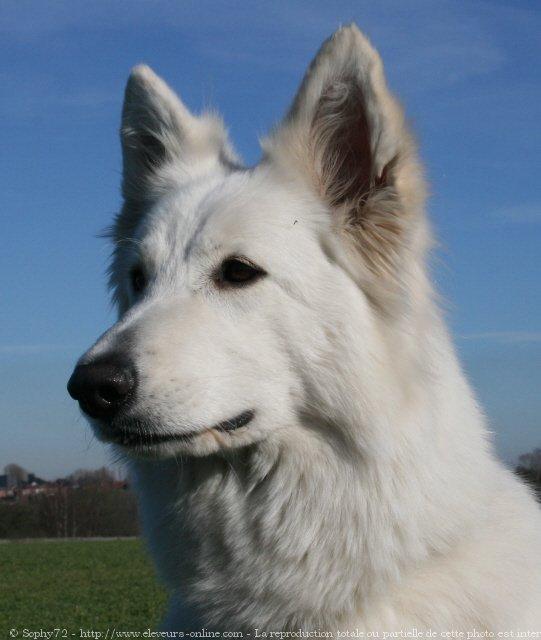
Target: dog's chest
[[244, 551]]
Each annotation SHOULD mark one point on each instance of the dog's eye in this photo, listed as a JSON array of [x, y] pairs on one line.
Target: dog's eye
[[238, 271], [138, 279]]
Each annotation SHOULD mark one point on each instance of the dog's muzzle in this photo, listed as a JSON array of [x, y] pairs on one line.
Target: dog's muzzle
[[137, 437]]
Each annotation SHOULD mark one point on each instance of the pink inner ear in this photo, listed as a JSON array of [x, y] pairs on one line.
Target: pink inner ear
[[342, 143]]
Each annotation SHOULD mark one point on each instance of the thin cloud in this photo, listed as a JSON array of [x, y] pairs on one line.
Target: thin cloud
[[31, 95], [33, 349], [450, 40], [520, 214], [505, 337]]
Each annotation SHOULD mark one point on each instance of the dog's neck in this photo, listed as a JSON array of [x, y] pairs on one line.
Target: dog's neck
[[303, 531]]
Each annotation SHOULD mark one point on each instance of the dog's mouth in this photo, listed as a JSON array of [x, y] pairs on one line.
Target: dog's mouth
[[142, 438]]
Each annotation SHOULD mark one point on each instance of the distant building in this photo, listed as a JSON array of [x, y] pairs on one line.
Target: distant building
[[33, 479], [16, 483]]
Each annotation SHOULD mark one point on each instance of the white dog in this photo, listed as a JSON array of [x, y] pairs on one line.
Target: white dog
[[306, 448]]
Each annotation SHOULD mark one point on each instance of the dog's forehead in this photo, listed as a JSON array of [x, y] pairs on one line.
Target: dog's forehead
[[226, 212]]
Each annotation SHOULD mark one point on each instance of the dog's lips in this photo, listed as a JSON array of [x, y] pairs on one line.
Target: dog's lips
[[140, 438]]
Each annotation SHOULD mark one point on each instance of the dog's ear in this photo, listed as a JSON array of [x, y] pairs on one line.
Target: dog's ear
[[163, 146], [346, 133], [162, 142]]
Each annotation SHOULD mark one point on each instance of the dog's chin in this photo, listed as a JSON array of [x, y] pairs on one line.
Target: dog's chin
[[139, 437]]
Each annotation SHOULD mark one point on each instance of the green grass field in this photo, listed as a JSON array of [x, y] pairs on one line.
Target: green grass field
[[74, 585]]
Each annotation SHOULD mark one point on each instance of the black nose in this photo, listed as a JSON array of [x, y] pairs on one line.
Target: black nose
[[103, 387]]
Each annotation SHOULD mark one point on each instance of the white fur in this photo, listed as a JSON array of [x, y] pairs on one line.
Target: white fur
[[365, 494]]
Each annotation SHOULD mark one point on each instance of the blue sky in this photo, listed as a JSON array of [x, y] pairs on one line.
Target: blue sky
[[468, 74]]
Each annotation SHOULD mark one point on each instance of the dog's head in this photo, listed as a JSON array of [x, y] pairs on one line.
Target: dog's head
[[255, 302]]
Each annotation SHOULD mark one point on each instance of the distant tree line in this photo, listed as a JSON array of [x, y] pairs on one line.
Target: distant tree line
[[529, 469], [94, 504], [87, 504]]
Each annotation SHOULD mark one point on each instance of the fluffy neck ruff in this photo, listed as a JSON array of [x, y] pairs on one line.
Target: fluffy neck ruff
[[303, 532]]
